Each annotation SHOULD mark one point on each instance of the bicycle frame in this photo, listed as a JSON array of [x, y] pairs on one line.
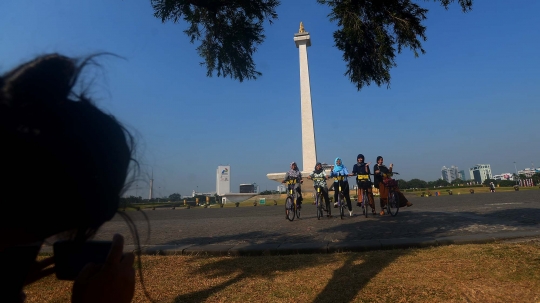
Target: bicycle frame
[[319, 205], [291, 194], [360, 189], [392, 203], [341, 196]]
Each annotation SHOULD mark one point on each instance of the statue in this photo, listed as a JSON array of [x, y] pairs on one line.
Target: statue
[[301, 30]]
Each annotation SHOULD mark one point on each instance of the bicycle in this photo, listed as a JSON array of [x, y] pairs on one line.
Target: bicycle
[[319, 201], [392, 204], [291, 209], [365, 200], [341, 198]]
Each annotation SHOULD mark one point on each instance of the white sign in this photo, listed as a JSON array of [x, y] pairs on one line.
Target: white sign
[[223, 180]]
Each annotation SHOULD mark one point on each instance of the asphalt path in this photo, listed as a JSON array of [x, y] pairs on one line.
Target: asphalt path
[[466, 216]]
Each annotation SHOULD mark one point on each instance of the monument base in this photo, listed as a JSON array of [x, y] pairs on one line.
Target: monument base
[[238, 197]]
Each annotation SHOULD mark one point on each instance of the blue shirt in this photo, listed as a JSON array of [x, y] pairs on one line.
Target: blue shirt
[[343, 172]]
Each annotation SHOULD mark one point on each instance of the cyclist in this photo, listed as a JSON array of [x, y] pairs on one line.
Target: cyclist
[[340, 170], [294, 173], [362, 168], [382, 173], [321, 176]]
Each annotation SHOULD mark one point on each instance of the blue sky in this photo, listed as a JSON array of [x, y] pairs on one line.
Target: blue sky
[[473, 98]]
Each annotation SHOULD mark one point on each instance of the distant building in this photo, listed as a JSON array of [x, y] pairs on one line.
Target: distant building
[[223, 180], [461, 175], [281, 188], [449, 174], [528, 172], [480, 172], [247, 188], [505, 176]]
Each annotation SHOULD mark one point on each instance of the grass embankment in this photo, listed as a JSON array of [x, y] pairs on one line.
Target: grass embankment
[[501, 272]]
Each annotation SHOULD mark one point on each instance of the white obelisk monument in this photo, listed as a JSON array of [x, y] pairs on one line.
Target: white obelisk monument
[[309, 152]]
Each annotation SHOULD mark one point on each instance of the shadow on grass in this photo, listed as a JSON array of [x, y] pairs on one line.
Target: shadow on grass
[[346, 282]]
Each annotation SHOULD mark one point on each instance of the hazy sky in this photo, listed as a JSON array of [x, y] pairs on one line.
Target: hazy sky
[[473, 98]]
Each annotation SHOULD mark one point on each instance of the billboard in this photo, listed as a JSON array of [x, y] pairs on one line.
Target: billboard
[[223, 180]]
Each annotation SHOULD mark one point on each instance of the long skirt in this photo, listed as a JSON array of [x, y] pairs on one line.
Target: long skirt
[[383, 190]]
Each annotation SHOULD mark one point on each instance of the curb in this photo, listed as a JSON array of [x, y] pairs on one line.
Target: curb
[[265, 249]]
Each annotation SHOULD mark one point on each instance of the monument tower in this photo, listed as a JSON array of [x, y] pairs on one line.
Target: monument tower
[[309, 152]]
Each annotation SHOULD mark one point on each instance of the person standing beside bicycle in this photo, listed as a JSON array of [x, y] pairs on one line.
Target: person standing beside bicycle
[[363, 182], [340, 170], [294, 173], [381, 173], [319, 179]]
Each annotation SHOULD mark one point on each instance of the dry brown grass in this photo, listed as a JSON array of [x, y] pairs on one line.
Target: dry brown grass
[[503, 272]]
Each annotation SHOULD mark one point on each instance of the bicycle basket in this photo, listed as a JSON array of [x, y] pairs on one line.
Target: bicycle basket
[[340, 178], [291, 181], [390, 183], [362, 177]]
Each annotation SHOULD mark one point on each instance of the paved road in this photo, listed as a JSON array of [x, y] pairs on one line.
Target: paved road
[[466, 218]]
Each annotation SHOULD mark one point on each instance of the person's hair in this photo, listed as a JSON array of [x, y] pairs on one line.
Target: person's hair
[[378, 158], [65, 160]]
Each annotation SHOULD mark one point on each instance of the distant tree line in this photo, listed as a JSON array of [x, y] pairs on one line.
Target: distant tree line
[[417, 183]]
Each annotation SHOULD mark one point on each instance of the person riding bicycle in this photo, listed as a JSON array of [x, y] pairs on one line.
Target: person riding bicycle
[[340, 170], [319, 179], [383, 173], [491, 187], [294, 173], [362, 168]]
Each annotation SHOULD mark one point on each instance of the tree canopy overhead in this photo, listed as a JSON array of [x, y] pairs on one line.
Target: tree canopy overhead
[[370, 33]]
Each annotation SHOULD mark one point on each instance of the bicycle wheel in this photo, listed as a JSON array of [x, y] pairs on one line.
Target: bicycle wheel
[[341, 207], [289, 208], [393, 203], [365, 203], [328, 209], [318, 203]]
